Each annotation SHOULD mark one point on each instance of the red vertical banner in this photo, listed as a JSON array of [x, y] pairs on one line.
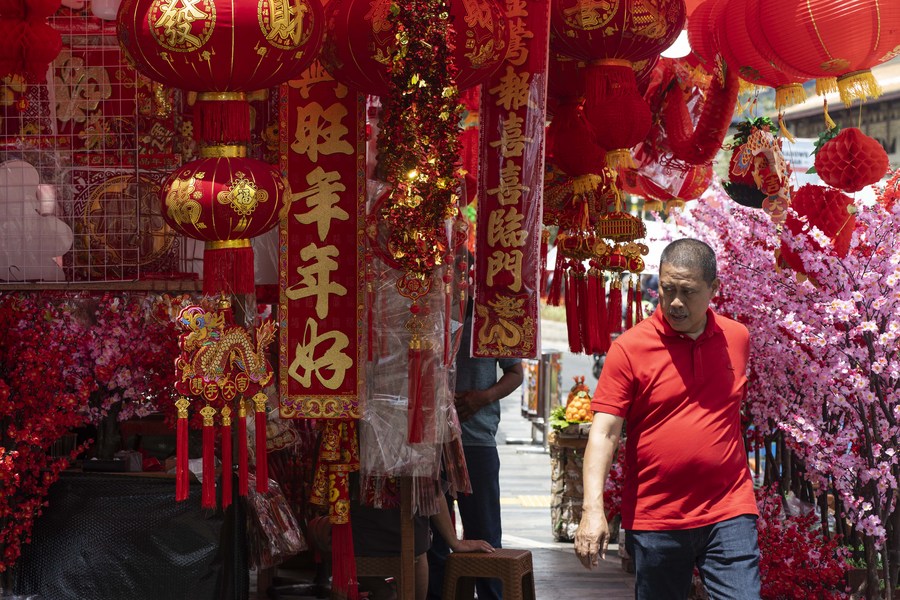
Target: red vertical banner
[[511, 182], [321, 360]]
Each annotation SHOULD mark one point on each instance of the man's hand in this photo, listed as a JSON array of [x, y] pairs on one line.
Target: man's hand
[[470, 402], [471, 546], [592, 538]]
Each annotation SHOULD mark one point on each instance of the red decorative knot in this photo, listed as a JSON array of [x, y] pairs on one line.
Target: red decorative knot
[[415, 309]]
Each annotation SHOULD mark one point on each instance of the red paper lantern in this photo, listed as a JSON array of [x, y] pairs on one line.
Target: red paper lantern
[[631, 30], [701, 28], [828, 210], [361, 39], [27, 43], [851, 160], [825, 39], [741, 54], [224, 201], [223, 49]]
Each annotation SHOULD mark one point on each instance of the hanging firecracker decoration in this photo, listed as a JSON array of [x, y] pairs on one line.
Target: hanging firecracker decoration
[[222, 49], [362, 40], [850, 160], [28, 44], [824, 39], [827, 209], [222, 366], [225, 201], [610, 37]]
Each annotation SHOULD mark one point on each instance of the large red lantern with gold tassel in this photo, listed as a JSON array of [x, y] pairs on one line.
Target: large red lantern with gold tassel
[[224, 202], [361, 38], [222, 49], [610, 37], [741, 54], [826, 39]]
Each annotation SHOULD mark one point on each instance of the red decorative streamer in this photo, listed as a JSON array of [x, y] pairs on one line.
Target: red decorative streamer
[[262, 457], [225, 121], [629, 304], [572, 312], [638, 302], [554, 296], [182, 473], [226, 457], [243, 475], [208, 499], [415, 414], [597, 292], [343, 574], [229, 269], [585, 316], [614, 308]]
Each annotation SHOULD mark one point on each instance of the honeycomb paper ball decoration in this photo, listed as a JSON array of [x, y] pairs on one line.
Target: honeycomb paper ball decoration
[[825, 208], [851, 160]]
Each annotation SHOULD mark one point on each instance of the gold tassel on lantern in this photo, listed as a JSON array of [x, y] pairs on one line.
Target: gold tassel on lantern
[[789, 95], [859, 85], [826, 85], [784, 131]]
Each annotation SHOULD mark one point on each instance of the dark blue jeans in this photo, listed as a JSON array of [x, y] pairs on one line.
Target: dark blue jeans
[[480, 513], [726, 554]]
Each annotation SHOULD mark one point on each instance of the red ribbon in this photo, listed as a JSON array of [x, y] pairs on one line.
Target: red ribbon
[[182, 473], [226, 457]]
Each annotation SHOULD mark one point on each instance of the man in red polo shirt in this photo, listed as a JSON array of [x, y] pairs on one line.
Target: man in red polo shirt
[[676, 380]]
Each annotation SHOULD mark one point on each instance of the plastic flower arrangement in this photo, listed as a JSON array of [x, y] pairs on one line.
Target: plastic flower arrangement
[[43, 385], [796, 560], [132, 349], [824, 351]]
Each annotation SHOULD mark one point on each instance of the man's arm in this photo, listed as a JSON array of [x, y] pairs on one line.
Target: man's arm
[[470, 402], [444, 526], [592, 535]]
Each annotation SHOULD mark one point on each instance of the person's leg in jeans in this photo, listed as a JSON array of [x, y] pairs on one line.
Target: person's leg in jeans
[[480, 511], [729, 563], [437, 557], [663, 563]]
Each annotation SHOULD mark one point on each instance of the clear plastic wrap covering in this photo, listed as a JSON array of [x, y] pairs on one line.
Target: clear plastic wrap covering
[[273, 534], [388, 421]]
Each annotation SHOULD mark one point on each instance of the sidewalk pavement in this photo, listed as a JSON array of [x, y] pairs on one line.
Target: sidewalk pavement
[[525, 497]]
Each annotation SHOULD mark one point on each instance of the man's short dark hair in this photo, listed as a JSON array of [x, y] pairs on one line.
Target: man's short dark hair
[[689, 253]]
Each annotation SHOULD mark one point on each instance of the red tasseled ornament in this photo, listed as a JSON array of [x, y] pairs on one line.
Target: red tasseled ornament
[[343, 564], [851, 160], [596, 312], [599, 300], [208, 498], [227, 471], [588, 337], [574, 150], [614, 308], [629, 306], [572, 314], [638, 302], [243, 458], [545, 243], [618, 114], [554, 296]]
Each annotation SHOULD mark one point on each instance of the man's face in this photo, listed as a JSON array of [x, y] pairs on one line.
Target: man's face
[[684, 298]]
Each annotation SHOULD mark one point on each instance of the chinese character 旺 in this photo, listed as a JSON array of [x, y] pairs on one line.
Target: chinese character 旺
[[329, 364], [315, 278], [505, 228], [502, 265], [321, 130], [322, 198]]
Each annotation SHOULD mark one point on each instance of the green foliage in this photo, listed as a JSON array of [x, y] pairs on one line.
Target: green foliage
[[558, 418]]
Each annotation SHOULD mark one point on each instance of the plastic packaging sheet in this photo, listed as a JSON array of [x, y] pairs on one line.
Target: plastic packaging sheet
[[272, 530], [385, 449]]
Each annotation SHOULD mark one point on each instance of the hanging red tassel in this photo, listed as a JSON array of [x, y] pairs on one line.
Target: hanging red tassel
[[638, 302], [554, 296], [629, 306], [228, 266], [370, 316], [614, 308], [222, 118], [448, 307], [587, 317], [545, 246], [415, 418], [208, 499], [343, 564], [182, 473], [572, 315], [262, 457], [243, 469], [597, 293], [226, 456]]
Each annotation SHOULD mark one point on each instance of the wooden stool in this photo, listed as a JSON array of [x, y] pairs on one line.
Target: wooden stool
[[512, 567], [378, 566]]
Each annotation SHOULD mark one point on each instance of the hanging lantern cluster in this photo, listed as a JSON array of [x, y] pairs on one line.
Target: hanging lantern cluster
[[222, 49], [610, 38], [827, 209]]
